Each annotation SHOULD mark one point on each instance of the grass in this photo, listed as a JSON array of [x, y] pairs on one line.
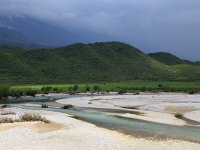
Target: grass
[[120, 87], [117, 86]]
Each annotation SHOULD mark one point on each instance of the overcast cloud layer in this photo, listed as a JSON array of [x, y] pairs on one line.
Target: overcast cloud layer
[[151, 25]]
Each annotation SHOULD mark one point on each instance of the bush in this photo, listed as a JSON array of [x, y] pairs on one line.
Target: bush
[[122, 91], [6, 120], [47, 89], [7, 113], [4, 92], [160, 85], [69, 106], [28, 117], [5, 106], [44, 106], [56, 89], [87, 88], [31, 93], [96, 88], [192, 92], [179, 116], [75, 88], [144, 89]]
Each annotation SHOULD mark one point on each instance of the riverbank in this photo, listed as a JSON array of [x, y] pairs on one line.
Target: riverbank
[[65, 132], [154, 107]]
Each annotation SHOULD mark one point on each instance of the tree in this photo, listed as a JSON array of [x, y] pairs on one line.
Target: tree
[[96, 88], [75, 88], [87, 88]]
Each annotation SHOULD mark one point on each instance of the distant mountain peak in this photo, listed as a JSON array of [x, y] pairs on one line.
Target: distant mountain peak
[[13, 37], [168, 58]]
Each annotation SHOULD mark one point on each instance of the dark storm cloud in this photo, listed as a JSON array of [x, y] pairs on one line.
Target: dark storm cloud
[[152, 25]]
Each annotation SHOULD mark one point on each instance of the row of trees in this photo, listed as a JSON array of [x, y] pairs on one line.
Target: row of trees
[[6, 91], [71, 89]]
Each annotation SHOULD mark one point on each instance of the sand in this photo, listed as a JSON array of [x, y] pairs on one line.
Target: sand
[[65, 133]]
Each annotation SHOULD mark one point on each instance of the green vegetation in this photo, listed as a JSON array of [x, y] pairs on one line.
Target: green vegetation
[[44, 106], [69, 106], [6, 91], [84, 63], [179, 116], [168, 59], [118, 86], [109, 66]]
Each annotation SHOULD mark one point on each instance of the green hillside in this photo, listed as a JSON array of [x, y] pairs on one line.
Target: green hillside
[[81, 63], [168, 58]]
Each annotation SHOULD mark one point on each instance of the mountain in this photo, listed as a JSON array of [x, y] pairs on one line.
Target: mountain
[[12, 37], [83, 63], [168, 58], [185, 70], [99, 62], [44, 33]]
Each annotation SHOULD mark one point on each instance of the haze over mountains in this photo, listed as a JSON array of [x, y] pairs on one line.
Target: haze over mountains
[[42, 33], [22, 62]]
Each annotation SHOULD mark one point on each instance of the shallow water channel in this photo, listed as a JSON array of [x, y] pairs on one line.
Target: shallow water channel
[[102, 118]]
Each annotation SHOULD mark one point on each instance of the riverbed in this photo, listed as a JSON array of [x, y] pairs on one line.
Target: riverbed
[[144, 116]]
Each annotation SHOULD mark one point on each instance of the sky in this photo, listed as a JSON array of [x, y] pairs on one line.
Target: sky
[[150, 25]]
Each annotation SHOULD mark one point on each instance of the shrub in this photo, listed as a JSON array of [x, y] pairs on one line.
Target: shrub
[[6, 120], [47, 89], [4, 92], [192, 92], [56, 89], [87, 88], [44, 106], [28, 117], [160, 85], [69, 106], [144, 89], [8, 113], [179, 116], [70, 90], [31, 93], [5, 106], [122, 91], [75, 88], [96, 88]]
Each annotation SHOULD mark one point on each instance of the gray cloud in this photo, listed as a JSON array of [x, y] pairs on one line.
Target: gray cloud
[[152, 25]]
